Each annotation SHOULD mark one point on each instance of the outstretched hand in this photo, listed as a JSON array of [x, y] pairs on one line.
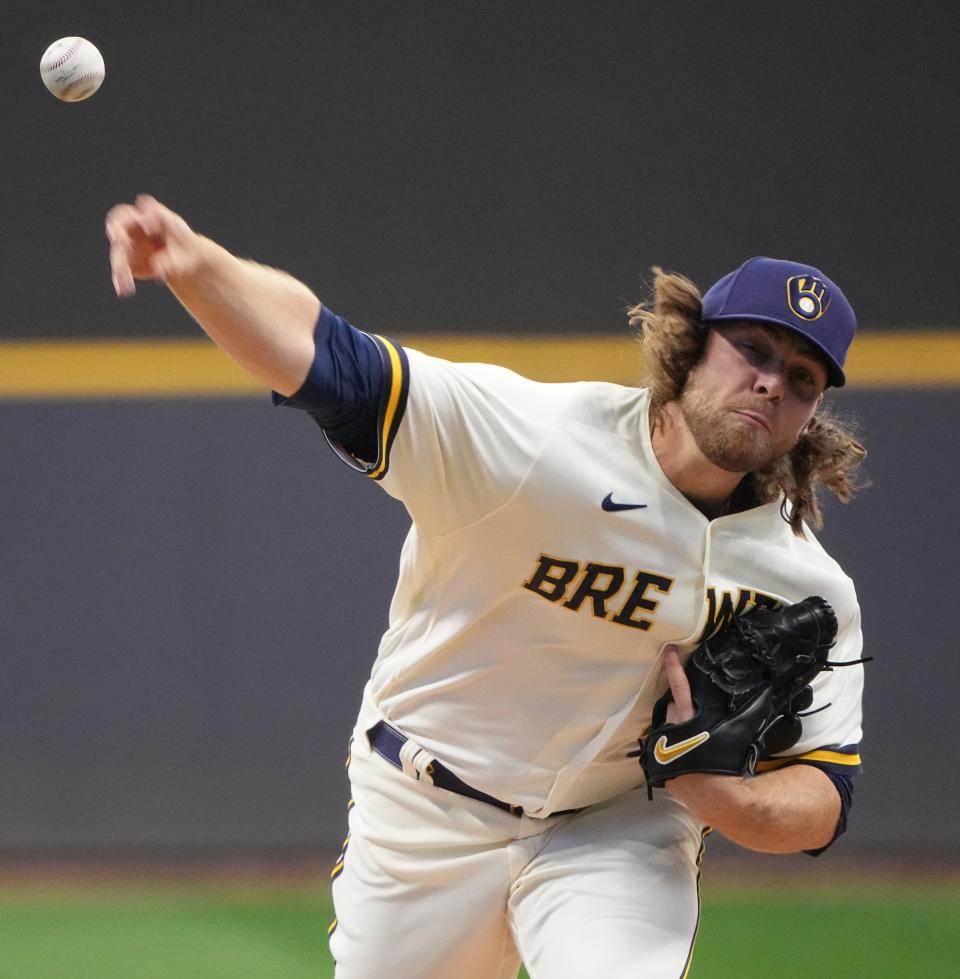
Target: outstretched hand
[[149, 241], [682, 707]]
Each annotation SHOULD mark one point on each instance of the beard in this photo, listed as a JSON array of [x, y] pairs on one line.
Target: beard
[[728, 443]]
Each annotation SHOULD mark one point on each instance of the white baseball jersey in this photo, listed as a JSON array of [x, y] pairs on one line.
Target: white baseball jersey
[[549, 562]]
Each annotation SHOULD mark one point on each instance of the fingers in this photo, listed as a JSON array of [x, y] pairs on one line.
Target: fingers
[[119, 225], [153, 215], [138, 234], [682, 707]]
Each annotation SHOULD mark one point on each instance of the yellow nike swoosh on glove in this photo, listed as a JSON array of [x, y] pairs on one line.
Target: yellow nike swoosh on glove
[[665, 754]]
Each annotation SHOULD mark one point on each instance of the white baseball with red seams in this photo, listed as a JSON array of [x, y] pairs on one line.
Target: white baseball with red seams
[[72, 68]]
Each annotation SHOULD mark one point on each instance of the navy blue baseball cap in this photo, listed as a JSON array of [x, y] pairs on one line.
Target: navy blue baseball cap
[[799, 297]]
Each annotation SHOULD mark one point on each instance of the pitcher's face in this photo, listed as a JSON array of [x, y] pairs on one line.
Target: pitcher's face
[[751, 394]]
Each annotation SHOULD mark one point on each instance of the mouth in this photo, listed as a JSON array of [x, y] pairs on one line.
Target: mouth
[[754, 418]]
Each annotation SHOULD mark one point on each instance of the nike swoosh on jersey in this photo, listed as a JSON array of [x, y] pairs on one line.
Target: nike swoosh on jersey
[[666, 754], [612, 507]]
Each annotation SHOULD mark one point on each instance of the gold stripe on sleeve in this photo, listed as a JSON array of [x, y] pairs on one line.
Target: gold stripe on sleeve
[[396, 384], [828, 757], [833, 757]]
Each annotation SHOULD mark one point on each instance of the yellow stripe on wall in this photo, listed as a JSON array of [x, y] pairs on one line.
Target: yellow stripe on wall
[[119, 369], [93, 369]]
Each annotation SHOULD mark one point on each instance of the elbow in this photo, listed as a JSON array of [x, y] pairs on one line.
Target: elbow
[[295, 355], [291, 372]]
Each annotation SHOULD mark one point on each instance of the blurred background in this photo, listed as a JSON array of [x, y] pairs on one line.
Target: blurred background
[[193, 587]]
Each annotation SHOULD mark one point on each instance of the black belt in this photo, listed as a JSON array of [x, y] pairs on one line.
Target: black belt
[[387, 741]]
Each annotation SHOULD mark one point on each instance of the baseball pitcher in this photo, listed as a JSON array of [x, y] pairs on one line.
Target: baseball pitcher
[[613, 627]]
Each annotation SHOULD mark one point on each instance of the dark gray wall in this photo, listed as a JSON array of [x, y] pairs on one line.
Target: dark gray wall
[[489, 166], [193, 593]]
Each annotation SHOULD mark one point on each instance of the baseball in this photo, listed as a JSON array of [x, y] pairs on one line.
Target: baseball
[[72, 68]]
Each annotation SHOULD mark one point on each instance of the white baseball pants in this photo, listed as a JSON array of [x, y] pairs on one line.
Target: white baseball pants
[[433, 885]]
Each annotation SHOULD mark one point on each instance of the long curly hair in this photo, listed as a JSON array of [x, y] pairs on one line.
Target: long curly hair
[[828, 453]]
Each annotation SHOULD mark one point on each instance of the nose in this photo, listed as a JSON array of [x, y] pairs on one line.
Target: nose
[[770, 382]]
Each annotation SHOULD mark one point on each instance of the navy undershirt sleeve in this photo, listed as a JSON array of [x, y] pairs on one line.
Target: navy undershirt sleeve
[[843, 783], [344, 387]]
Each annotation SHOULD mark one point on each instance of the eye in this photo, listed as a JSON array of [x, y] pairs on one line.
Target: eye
[[803, 379]]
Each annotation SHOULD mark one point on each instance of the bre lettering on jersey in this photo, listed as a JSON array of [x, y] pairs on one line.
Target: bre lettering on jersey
[[596, 585]]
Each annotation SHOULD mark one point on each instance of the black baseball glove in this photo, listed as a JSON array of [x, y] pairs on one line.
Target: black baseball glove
[[750, 684]]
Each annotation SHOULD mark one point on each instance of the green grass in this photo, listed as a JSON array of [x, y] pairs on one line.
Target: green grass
[[844, 932], [208, 932]]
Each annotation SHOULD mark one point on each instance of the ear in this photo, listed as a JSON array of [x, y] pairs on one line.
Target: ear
[[812, 419]]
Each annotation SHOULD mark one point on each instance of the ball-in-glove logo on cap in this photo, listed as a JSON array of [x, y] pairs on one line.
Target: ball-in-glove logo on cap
[[807, 297]]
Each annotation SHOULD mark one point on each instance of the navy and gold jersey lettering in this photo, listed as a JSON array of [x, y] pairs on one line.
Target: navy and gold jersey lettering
[[598, 584], [639, 601], [566, 581], [723, 607], [610, 578], [356, 391], [551, 577]]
